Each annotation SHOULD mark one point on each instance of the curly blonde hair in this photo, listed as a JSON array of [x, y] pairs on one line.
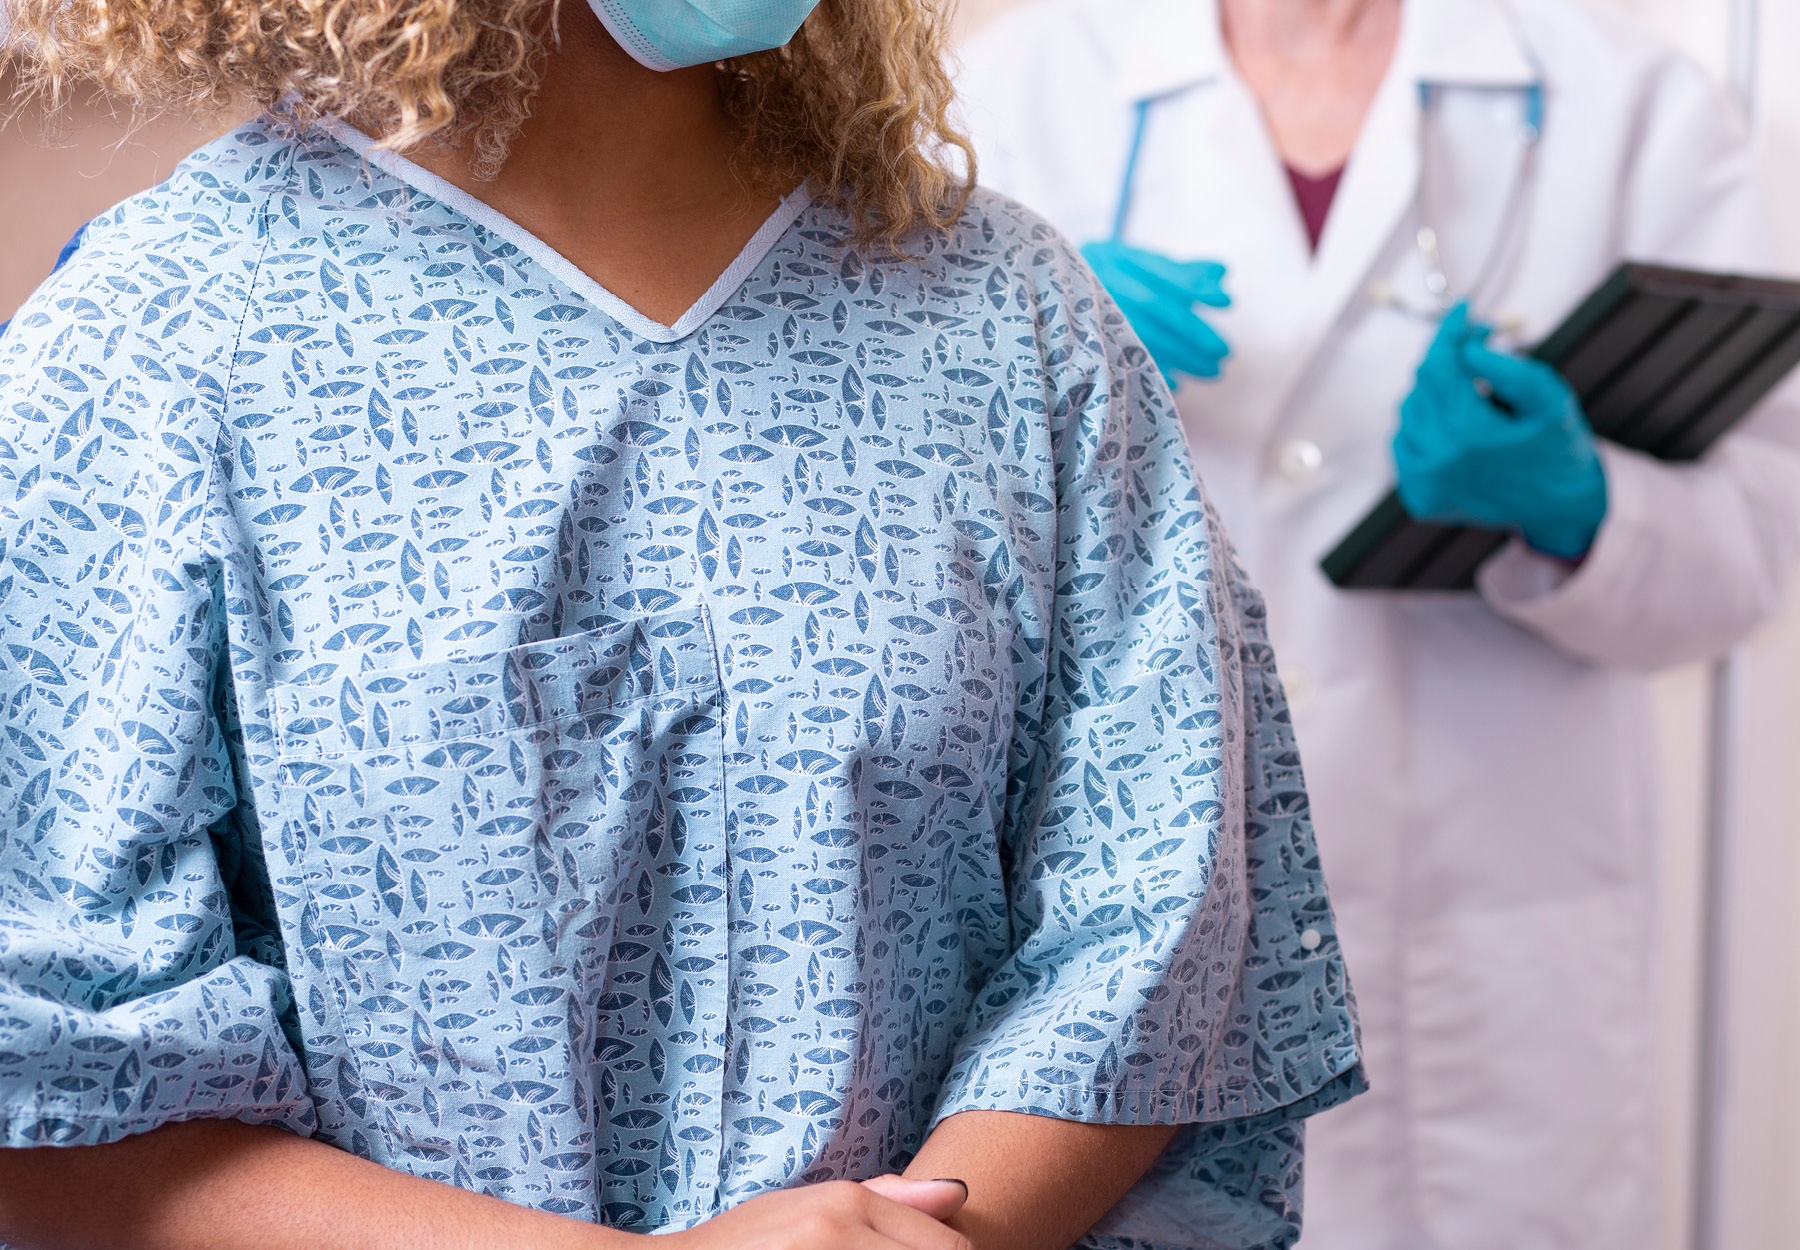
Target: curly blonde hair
[[858, 103]]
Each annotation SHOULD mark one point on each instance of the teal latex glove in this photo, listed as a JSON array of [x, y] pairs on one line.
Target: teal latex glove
[[1500, 442], [1157, 295]]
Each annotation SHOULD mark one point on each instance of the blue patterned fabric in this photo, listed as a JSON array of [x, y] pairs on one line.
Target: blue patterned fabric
[[626, 768]]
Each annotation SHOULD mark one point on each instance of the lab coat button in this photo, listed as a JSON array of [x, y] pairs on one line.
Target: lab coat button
[[1310, 940], [1299, 460]]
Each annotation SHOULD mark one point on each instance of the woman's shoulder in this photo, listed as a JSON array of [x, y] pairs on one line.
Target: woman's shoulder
[[207, 211], [992, 219], [996, 313], [163, 276], [1000, 284], [998, 256]]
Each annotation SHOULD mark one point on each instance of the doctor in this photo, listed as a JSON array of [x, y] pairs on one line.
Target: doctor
[[1482, 764]]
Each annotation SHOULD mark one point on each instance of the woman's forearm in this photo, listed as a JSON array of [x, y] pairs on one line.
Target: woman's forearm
[[1036, 1183], [222, 1185]]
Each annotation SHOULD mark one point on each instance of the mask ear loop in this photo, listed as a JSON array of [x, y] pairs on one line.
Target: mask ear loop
[[1128, 183]]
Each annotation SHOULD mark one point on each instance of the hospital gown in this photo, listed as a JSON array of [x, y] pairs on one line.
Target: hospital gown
[[626, 768]]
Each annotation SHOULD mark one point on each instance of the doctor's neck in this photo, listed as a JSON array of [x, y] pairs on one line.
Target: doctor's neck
[[1314, 66]]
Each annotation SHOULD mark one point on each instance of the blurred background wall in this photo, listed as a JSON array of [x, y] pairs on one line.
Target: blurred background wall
[[51, 182]]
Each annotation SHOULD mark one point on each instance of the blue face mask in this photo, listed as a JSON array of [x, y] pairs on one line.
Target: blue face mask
[[673, 34]]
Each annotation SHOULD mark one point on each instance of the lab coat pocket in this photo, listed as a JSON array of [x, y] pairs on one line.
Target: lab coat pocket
[[514, 889], [1530, 1074]]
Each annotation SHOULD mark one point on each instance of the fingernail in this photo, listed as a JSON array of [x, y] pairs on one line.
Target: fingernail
[[951, 1180]]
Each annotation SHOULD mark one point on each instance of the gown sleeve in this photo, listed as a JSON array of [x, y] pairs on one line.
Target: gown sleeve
[[128, 996], [1174, 957]]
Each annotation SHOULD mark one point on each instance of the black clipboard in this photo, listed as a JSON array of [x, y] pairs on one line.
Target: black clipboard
[[1664, 361]]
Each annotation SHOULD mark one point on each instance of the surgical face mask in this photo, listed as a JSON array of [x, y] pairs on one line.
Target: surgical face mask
[[673, 34]]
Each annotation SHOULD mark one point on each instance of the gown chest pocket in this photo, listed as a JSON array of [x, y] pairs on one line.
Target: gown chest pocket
[[514, 866]]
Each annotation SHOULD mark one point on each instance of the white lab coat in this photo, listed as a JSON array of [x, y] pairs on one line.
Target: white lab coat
[[1481, 766]]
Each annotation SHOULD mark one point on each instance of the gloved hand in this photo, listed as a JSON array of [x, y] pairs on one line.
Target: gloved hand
[[1157, 295], [1500, 442]]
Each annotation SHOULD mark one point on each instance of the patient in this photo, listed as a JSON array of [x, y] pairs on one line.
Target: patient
[[596, 645]]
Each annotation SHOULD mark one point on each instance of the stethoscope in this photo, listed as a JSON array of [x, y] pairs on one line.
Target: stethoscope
[[1440, 295]]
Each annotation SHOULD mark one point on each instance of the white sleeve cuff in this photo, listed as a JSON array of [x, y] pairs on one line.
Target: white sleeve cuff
[[1690, 559], [1519, 576], [1572, 605]]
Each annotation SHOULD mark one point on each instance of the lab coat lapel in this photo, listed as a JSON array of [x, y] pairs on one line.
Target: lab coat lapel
[[1380, 186], [1288, 300], [1236, 202], [1466, 43], [1441, 43], [1210, 184], [1470, 55], [1230, 198], [1459, 43]]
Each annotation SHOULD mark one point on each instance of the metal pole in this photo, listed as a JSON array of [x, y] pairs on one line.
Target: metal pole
[[1745, 23], [1725, 690]]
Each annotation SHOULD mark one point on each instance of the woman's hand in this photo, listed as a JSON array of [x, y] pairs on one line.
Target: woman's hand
[[887, 1213], [940, 1199]]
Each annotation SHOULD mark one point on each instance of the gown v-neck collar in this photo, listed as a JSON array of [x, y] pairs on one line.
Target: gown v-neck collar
[[560, 266]]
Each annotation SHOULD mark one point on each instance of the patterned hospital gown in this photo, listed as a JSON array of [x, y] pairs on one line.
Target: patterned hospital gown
[[626, 768]]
